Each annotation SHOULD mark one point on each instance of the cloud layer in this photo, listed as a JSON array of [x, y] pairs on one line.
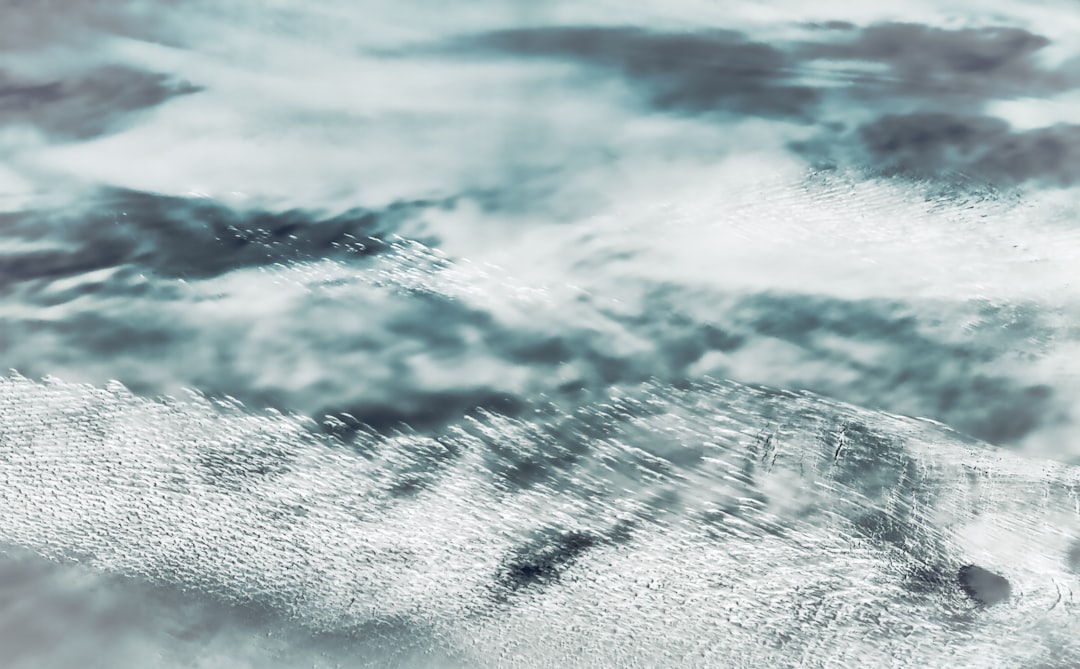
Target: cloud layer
[[944, 68], [512, 137], [85, 105], [704, 72], [933, 143]]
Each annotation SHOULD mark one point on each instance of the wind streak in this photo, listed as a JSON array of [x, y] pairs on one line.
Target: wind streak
[[712, 525]]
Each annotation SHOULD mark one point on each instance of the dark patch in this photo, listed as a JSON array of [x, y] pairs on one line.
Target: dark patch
[[930, 140], [1072, 557], [188, 237], [938, 143], [718, 339], [801, 318], [56, 264], [1050, 155], [233, 468], [38, 24], [692, 72], [542, 561], [1012, 421], [943, 68], [879, 468], [982, 585], [101, 336], [198, 238], [933, 85], [86, 105], [542, 351], [424, 411]]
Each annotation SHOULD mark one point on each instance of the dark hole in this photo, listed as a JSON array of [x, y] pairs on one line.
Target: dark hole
[[983, 585], [287, 229], [543, 561]]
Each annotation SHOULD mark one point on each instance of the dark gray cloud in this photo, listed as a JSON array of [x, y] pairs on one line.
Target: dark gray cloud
[[718, 70], [33, 24], [832, 25], [85, 105], [929, 98], [936, 143], [186, 237], [944, 67], [698, 72]]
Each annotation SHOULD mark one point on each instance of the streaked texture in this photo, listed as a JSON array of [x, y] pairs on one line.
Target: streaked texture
[[716, 525]]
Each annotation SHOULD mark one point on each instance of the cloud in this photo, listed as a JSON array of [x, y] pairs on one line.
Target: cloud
[[923, 76], [186, 237], [84, 105], [924, 110], [727, 71], [943, 67], [692, 73], [30, 25], [832, 25], [895, 355], [871, 294], [329, 338], [935, 143]]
